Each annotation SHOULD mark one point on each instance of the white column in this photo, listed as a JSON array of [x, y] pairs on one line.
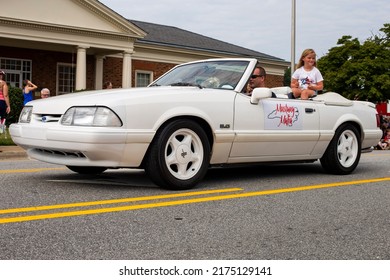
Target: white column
[[81, 68], [126, 70], [99, 71]]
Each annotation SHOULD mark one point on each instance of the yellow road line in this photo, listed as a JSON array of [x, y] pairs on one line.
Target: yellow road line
[[185, 201], [113, 201], [29, 170]]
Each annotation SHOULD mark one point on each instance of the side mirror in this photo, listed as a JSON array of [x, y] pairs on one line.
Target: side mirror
[[260, 93]]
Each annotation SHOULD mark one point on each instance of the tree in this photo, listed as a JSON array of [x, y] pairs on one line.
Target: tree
[[287, 77], [359, 70]]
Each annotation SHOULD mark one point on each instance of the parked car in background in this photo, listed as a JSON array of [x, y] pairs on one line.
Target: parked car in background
[[194, 117]]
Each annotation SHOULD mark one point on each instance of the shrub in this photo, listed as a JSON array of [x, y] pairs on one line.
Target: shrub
[[16, 101]]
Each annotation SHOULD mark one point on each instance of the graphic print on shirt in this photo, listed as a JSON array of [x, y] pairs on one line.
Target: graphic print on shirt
[[304, 83]]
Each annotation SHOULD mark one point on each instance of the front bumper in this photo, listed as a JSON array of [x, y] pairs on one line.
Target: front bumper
[[82, 146]]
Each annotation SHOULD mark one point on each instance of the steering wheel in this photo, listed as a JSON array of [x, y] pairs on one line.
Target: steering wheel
[[226, 86]]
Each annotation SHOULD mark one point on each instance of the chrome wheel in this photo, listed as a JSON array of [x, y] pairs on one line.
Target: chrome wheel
[[179, 155], [347, 148], [184, 154], [343, 152]]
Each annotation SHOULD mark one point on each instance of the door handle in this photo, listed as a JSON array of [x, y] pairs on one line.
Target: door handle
[[309, 110]]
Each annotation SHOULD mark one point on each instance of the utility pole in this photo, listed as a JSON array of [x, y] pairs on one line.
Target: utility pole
[[293, 23]]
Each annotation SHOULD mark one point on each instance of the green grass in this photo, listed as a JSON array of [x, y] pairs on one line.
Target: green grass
[[5, 139]]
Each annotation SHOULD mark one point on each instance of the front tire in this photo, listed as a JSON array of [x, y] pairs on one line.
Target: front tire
[[179, 155], [343, 153]]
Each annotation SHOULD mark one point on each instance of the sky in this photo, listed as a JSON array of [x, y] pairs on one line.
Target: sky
[[265, 25]]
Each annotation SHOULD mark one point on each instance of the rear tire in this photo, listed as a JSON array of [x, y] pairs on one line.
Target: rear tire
[[343, 153], [179, 155]]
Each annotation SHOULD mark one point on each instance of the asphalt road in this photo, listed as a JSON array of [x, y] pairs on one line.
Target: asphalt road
[[268, 212]]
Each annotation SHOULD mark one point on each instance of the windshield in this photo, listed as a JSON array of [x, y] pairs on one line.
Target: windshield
[[207, 74]]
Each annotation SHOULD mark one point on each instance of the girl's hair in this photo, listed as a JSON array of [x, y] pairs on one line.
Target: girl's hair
[[304, 54]]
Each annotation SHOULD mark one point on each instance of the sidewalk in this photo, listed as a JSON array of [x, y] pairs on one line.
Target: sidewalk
[[9, 152]]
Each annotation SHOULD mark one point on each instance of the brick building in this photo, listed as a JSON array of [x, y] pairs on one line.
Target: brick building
[[68, 45]]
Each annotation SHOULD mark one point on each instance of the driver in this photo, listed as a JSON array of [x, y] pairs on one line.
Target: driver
[[256, 80]]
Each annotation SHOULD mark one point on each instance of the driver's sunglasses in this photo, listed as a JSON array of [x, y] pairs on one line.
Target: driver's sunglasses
[[256, 76]]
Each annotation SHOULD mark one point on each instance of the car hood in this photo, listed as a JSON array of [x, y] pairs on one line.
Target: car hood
[[110, 98]]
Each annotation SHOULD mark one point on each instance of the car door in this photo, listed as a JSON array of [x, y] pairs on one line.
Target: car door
[[275, 129]]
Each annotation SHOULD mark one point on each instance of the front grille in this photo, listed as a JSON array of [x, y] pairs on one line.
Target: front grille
[[47, 117]]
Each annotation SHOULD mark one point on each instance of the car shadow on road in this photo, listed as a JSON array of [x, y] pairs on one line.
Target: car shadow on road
[[137, 178], [114, 179], [263, 171]]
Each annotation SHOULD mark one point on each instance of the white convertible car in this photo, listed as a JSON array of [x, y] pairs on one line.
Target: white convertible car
[[194, 117]]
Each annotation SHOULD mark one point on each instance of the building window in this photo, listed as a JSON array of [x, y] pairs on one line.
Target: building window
[[16, 70], [66, 77], [143, 78]]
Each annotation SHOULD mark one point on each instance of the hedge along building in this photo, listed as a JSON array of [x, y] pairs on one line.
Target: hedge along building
[[69, 45]]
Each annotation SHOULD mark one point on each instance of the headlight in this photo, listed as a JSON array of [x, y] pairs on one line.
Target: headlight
[[91, 116], [25, 115]]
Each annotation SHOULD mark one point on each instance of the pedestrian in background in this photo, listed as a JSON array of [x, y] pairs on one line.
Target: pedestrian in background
[[5, 107], [28, 90], [107, 85], [45, 93]]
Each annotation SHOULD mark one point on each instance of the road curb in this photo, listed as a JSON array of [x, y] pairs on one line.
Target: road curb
[[10, 152]]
